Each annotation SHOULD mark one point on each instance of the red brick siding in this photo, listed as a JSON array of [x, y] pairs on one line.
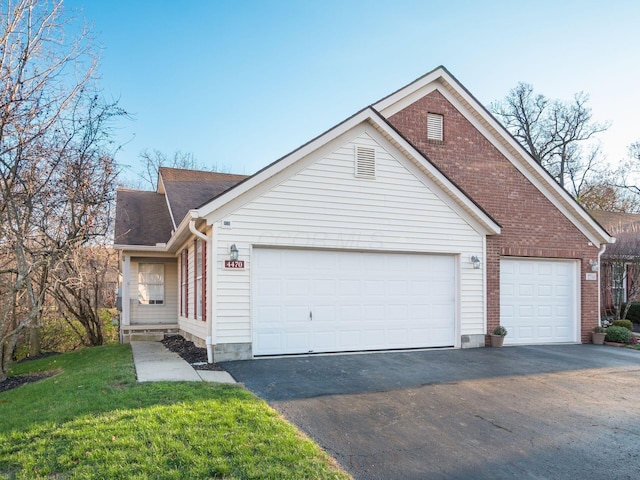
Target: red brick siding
[[531, 225]]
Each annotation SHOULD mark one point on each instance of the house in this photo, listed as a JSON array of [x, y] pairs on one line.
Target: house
[[417, 222], [619, 272]]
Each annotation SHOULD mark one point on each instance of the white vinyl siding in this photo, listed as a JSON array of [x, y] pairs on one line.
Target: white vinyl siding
[[324, 206], [190, 323], [152, 314]]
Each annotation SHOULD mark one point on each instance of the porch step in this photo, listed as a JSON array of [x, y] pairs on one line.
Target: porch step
[[149, 333]]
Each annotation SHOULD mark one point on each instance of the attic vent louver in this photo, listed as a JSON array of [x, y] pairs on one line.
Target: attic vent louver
[[435, 123], [365, 162]]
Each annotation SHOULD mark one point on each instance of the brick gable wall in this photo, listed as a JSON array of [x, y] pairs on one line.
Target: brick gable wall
[[531, 225]]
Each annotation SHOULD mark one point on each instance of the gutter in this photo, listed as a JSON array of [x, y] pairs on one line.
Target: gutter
[[203, 237]]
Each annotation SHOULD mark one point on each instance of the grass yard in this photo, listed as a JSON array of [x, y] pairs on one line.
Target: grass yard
[[92, 420]]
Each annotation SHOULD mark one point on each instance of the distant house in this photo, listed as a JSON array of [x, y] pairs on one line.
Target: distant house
[[620, 262], [417, 222]]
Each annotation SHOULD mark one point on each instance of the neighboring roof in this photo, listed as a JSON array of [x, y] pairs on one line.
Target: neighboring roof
[[617, 223], [440, 79], [142, 218], [188, 189]]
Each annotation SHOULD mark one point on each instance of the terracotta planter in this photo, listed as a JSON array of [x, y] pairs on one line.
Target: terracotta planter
[[615, 344], [598, 338], [497, 340]]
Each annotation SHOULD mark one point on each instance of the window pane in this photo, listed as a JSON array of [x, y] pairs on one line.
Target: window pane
[[199, 258], [151, 283]]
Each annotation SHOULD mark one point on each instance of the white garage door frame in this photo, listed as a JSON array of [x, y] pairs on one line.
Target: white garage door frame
[[454, 257], [541, 333]]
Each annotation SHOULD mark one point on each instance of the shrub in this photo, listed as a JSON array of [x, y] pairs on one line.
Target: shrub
[[599, 329], [624, 323], [634, 312], [500, 330], [618, 334]]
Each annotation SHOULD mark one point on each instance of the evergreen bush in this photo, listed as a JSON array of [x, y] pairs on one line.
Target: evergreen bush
[[618, 334]]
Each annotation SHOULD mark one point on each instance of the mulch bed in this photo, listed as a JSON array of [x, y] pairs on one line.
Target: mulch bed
[[19, 380], [196, 356]]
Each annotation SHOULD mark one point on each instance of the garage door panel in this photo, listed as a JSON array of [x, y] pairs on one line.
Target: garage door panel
[[545, 311], [368, 301], [538, 300]]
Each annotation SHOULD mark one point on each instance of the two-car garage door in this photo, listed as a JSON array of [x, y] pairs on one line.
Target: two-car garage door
[[538, 300], [336, 301]]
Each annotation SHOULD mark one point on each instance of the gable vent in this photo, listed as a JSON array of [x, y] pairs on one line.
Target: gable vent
[[435, 123], [365, 162]]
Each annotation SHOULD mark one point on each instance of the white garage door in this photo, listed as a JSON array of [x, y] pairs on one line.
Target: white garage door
[[538, 300], [308, 301]]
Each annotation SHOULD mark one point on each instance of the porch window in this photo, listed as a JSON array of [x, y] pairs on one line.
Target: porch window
[[151, 283]]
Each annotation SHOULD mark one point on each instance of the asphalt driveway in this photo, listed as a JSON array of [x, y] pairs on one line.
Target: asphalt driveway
[[539, 412]]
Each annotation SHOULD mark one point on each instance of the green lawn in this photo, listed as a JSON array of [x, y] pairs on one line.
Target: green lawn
[[93, 420]]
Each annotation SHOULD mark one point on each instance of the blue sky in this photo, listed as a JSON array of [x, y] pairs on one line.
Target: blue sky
[[242, 83]]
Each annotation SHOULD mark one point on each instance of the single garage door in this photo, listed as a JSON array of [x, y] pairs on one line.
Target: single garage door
[[538, 300], [311, 301]]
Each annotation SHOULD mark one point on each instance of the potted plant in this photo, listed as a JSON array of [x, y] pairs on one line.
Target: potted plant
[[598, 334], [497, 336]]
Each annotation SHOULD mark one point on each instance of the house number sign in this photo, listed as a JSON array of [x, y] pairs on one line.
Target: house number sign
[[234, 264]]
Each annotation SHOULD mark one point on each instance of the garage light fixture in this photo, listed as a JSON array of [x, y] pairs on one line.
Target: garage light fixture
[[594, 265], [476, 262], [233, 252]]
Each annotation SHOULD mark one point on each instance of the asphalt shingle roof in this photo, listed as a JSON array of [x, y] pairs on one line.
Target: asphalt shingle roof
[[188, 189], [142, 218]]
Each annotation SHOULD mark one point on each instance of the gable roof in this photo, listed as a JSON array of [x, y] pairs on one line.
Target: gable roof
[[187, 189], [142, 218], [191, 194], [465, 205], [441, 80]]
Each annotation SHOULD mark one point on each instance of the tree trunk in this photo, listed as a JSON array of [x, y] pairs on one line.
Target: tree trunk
[[34, 341]]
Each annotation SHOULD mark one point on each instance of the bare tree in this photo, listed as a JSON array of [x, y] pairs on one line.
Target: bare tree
[[56, 178], [621, 265], [83, 283], [605, 195], [554, 132], [628, 172], [154, 159]]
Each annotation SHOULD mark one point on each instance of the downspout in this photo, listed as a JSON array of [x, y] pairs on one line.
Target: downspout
[[203, 237], [602, 249]]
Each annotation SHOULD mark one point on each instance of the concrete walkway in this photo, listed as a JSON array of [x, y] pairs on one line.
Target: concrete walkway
[[155, 363]]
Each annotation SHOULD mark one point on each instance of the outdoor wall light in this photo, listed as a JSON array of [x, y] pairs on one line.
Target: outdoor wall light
[[476, 262], [233, 252], [594, 265]]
